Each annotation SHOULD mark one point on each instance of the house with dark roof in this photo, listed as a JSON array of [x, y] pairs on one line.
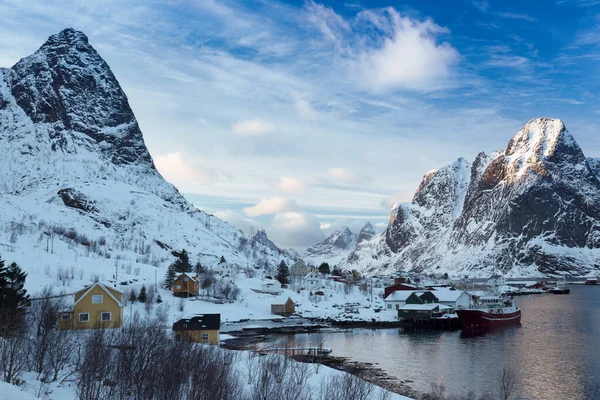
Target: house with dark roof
[[202, 328]]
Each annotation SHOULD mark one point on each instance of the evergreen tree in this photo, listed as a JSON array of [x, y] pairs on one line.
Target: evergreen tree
[[142, 297], [324, 268], [159, 299], [198, 268], [222, 260], [132, 296], [283, 273], [170, 277], [336, 271], [182, 264], [14, 299]]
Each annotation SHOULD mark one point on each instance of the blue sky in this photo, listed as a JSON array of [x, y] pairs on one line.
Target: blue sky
[[304, 116]]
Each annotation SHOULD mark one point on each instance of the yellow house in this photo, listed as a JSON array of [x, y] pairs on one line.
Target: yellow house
[[199, 329], [96, 306]]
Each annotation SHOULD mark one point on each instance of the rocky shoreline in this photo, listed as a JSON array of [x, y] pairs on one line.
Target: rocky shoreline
[[368, 372], [249, 338]]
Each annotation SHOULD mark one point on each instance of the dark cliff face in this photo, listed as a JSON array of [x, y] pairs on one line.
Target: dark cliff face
[[533, 207], [67, 85]]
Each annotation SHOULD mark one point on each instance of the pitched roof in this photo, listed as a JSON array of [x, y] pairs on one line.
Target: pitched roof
[[447, 294], [401, 295], [199, 322], [186, 274], [101, 285]]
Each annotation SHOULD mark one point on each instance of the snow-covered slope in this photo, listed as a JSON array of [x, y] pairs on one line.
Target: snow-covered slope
[[532, 209], [333, 249], [77, 180]]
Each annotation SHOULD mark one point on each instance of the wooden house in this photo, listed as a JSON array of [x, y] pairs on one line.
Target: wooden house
[[186, 285], [97, 306], [299, 269], [198, 329], [286, 309]]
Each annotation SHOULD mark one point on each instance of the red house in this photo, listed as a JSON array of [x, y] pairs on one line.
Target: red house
[[399, 286]]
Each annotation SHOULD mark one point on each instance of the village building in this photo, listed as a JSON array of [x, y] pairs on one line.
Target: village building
[[452, 297], [422, 306], [286, 309], [225, 269], [397, 299], [313, 280], [496, 280], [396, 287], [95, 307], [414, 312], [299, 269], [198, 329], [186, 285], [271, 286]]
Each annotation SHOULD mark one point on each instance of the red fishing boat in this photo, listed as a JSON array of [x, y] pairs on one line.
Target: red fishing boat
[[489, 312]]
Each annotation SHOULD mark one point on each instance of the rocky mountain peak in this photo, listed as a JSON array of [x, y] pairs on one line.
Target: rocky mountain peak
[[530, 209], [333, 249], [366, 233], [67, 85], [261, 237], [67, 38]]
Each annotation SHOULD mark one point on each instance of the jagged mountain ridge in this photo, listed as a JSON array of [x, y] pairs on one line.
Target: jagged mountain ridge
[[334, 248], [532, 209], [74, 160]]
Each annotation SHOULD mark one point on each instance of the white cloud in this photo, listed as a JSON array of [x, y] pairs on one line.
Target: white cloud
[[304, 109], [410, 56], [291, 184], [343, 174], [238, 220], [253, 127], [295, 229], [325, 226], [272, 205], [331, 25], [177, 170]]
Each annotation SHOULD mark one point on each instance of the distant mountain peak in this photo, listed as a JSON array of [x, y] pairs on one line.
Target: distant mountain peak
[[69, 86], [530, 209], [74, 160], [68, 37], [333, 249]]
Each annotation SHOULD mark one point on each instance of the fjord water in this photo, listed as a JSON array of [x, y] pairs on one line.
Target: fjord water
[[555, 351]]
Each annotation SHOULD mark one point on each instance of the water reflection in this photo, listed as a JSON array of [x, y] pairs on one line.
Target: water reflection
[[555, 349]]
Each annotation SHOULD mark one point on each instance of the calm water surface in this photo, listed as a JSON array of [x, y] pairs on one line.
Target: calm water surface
[[556, 350]]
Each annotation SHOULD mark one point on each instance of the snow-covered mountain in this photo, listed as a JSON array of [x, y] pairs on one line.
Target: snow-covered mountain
[[333, 249], [531, 209], [79, 187]]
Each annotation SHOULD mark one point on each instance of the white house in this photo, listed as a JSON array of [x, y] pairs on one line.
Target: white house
[[299, 269], [313, 280], [271, 286], [496, 280], [397, 299], [452, 297], [225, 269]]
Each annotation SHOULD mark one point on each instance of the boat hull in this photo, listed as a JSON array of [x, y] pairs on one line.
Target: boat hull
[[560, 291], [478, 318]]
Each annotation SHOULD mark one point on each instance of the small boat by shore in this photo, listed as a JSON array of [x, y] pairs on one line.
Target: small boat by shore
[[489, 312], [561, 288]]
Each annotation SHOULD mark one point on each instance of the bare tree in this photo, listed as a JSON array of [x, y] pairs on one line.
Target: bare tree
[[508, 384], [14, 351]]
